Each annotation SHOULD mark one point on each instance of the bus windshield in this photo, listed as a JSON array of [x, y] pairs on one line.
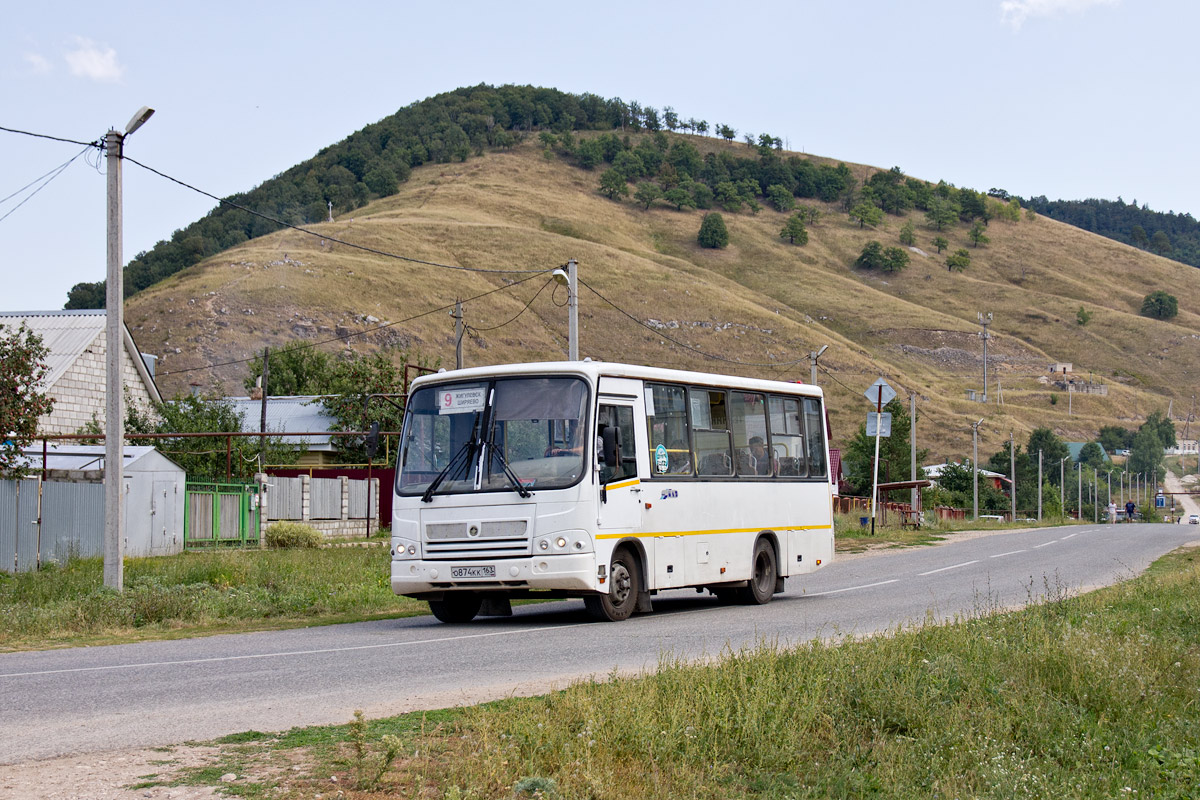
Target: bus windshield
[[508, 434]]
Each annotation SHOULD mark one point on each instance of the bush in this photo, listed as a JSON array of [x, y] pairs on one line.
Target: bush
[[712, 231], [293, 534]]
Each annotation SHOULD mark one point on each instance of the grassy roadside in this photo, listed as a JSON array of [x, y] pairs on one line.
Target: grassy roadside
[[225, 591], [236, 591], [1092, 696]]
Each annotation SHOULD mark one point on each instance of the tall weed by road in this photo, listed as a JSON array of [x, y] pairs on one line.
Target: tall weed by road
[[230, 589], [1089, 696]]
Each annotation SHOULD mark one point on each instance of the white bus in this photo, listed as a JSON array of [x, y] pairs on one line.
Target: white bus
[[608, 482]]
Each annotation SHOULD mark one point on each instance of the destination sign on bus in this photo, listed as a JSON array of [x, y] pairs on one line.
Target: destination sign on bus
[[462, 401]]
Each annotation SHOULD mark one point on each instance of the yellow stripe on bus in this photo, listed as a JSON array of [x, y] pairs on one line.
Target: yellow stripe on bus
[[623, 484], [710, 532]]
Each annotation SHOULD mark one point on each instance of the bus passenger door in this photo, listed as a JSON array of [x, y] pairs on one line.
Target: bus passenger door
[[620, 487]]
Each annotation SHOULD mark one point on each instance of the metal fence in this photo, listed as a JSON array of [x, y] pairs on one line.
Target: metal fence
[[286, 498], [326, 498], [71, 522], [220, 513], [357, 491]]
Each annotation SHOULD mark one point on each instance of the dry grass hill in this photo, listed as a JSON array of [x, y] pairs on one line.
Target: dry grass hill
[[759, 301]]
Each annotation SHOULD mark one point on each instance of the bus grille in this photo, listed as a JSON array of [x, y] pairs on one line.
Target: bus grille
[[477, 540]]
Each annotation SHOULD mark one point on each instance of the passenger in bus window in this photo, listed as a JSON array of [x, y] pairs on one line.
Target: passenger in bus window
[[758, 453]]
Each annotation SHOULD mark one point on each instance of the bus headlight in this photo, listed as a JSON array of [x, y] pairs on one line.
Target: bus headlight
[[405, 549], [564, 542]]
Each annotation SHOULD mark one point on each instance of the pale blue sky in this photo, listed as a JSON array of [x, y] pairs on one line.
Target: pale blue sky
[[1067, 98]]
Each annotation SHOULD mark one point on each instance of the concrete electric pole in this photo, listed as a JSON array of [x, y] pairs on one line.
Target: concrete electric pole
[[114, 343], [985, 321]]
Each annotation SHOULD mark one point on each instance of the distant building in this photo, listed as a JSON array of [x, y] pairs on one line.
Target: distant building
[[292, 414], [75, 375], [1060, 368], [1076, 447], [998, 480], [1184, 447]]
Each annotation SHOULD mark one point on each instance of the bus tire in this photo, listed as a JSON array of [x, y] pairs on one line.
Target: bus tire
[[456, 606], [761, 585], [624, 584]]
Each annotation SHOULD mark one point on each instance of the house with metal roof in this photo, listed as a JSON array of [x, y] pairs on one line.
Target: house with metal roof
[[291, 414], [75, 375]]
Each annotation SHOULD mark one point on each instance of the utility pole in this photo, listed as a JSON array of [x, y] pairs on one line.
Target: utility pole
[[1039, 485], [985, 321], [914, 499], [813, 355], [1070, 398], [1079, 499], [114, 343], [1062, 487], [262, 417], [1012, 475], [570, 279], [458, 333], [975, 466]]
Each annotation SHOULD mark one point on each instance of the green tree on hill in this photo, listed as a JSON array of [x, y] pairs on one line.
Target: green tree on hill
[[977, 235], [1160, 305], [1160, 243], [681, 198], [781, 197], [647, 192], [941, 243], [713, 233], [794, 230], [959, 260], [941, 213], [865, 213], [908, 234], [894, 259], [1092, 455], [871, 257], [612, 184]]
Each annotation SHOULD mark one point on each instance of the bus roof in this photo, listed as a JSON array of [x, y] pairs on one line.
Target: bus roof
[[594, 370]]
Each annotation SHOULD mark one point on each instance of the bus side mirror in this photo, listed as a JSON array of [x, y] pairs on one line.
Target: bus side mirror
[[611, 450]]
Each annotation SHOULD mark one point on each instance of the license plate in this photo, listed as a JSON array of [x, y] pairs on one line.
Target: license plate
[[488, 571]]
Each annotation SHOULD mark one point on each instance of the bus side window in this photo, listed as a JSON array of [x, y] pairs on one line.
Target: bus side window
[[622, 418], [787, 436], [814, 422], [667, 428], [710, 432]]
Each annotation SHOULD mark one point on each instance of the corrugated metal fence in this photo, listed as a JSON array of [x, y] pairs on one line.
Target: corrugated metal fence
[[287, 498], [326, 496], [72, 522]]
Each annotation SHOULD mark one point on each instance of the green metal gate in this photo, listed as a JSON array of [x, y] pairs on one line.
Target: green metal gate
[[221, 514]]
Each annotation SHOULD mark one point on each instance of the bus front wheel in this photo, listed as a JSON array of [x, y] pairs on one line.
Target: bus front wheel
[[456, 606], [762, 580], [624, 583]]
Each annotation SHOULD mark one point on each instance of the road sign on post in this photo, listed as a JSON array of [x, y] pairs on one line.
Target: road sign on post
[[882, 422], [879, 393]]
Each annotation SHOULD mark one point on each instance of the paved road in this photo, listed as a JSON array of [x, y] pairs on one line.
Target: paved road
[[94, 699]]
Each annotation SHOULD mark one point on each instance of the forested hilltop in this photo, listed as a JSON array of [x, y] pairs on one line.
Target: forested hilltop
[[1175, 236], [452, 127]]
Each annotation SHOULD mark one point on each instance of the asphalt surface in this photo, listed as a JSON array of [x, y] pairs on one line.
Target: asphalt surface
[[84, 700]]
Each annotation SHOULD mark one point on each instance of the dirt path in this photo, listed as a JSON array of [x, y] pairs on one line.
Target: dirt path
[[1190, 503]]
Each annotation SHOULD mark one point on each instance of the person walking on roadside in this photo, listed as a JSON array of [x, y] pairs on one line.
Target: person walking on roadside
[[1112, 512], [1129, 509]]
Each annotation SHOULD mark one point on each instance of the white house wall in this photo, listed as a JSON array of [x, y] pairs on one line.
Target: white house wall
[[80, 393]]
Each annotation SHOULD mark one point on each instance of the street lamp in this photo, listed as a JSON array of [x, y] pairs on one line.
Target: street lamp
[[570, 279], [813, 356], [114, 413]]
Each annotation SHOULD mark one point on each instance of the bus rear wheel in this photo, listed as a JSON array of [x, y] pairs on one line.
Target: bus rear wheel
[[761, 585], [456, 607], [624, 584]]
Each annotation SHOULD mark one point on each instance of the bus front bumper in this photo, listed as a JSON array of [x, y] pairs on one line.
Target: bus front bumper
[[573, 572]]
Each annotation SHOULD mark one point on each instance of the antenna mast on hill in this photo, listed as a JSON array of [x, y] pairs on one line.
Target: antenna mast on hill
[[985, 321]]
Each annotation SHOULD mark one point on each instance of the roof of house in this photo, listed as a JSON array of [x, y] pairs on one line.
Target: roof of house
[[84, 457], [288, 414], [1076, 447], [935, 471], [67, 334]]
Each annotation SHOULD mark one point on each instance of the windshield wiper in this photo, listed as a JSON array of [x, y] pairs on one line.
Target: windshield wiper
[[467, 449], [508, 470]]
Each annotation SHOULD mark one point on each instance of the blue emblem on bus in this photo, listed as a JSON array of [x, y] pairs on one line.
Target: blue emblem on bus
[[660, 458]]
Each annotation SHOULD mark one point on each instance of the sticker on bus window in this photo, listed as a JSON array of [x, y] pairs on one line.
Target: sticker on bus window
[[660, 458], [649, 402], [461, 401]]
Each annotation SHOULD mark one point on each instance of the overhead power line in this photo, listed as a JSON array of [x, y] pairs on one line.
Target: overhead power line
[[684, 345], [324, 236], [54, 173], [97, 143]]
